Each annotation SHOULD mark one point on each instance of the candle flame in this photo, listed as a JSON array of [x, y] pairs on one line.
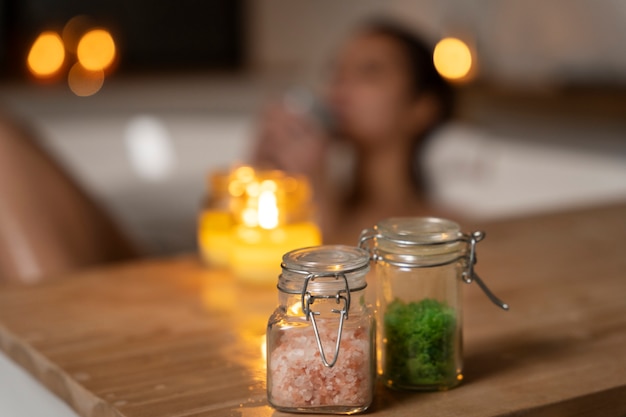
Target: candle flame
[[268, 209]]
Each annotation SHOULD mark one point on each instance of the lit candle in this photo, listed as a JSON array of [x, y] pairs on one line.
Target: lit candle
[[256, 252], [275, 219], [214, 237], [267, 215]]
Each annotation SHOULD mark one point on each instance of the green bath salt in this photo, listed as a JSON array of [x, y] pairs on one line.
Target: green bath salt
[[420, 343]]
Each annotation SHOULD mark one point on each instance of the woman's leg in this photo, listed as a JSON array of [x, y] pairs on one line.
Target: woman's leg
[[48, 225]]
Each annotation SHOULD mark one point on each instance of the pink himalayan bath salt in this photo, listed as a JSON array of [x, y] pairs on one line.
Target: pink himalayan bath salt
[[299, 379], [323, 288]]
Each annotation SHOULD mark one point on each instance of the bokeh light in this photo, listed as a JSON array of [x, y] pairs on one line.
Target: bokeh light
[[149, 147], [84, 82], [73, 31], [452, 58], [96, 50], [46, 55]]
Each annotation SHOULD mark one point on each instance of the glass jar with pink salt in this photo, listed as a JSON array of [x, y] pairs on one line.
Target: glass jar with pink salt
[[320, 339]]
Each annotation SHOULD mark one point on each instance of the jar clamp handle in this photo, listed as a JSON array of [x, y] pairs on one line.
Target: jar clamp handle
[[308, 299], [470, 275], [366, 242]]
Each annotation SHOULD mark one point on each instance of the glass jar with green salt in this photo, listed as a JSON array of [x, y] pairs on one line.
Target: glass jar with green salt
[[420, 264]]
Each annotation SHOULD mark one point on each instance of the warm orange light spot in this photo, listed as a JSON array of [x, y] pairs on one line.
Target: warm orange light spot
[[83, 82], [452, 58], [47, 54], [96, 50]]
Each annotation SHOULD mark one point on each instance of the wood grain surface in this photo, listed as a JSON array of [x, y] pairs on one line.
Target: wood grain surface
[[172, 338]]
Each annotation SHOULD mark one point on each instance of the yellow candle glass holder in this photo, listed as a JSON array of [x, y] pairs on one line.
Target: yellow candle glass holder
[[215, 223], [269, 213]]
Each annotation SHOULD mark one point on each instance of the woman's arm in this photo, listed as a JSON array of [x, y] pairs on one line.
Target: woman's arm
[[48, 224]]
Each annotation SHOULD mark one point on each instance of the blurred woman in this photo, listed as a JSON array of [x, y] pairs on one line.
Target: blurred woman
[[385, 97]]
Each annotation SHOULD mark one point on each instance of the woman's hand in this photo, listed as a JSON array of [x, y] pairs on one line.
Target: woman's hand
[[291, 141]]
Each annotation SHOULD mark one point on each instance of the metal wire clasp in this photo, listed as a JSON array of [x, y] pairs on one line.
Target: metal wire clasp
[[308, 299], [368, 239], [470, 275]]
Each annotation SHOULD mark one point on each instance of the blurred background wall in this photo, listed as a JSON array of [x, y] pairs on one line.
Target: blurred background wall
[[530, 42], [541, 123]]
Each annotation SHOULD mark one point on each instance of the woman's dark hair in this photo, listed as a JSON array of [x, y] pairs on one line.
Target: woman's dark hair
[[425, 80], [424, 76]]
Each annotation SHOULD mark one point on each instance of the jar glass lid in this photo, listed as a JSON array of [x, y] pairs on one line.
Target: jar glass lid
[[416, 230], [418, 241], [323, 265], [326, 259]]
